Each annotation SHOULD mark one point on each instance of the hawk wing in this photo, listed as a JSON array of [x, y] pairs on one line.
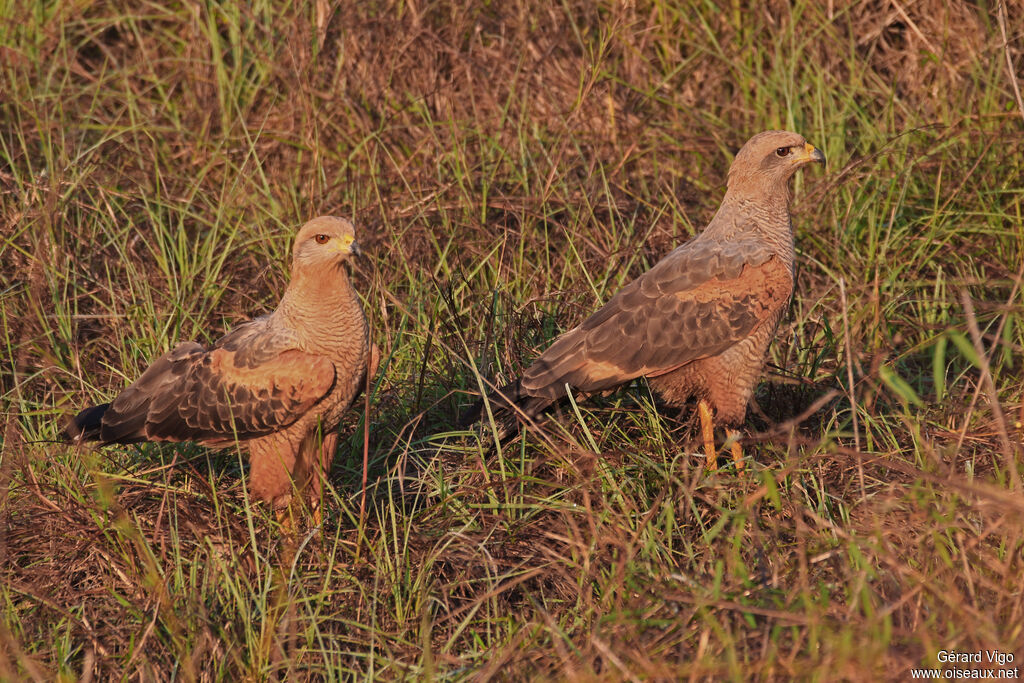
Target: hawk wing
[[252, 382], [696, 302]]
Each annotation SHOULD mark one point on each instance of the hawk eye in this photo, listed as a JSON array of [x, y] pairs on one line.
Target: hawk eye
[[322, 239], [783, 151]]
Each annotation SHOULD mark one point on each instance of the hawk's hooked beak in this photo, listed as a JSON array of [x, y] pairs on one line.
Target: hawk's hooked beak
[[812, 153], [352, 247], [348, 245]]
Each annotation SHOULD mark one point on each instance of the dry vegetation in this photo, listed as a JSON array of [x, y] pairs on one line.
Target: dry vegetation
[[509, 166]]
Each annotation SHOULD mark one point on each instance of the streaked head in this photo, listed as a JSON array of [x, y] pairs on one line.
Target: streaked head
[[769, 159], [324, 240]]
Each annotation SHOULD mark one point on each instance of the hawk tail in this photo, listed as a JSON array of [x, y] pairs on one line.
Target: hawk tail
[[106, 425], [86, 425], [510, 403]]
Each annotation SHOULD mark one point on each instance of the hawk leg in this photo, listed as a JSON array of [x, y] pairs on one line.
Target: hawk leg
[[312, 466], [286, 519], [737, 450], [327, 449], [707, 428]]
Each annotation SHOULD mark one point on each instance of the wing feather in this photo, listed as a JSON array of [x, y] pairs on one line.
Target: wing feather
[[252, 382], [696, 302]]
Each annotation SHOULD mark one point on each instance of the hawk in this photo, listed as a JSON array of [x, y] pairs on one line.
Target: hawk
[[699, 322], [277, 385]]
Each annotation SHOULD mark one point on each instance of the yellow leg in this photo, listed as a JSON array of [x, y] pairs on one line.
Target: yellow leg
[[737, 451], [293, 517], [707, 428], [286, 519], [316, 499]]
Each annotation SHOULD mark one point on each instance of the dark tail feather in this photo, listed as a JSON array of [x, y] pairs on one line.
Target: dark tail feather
[[86, 425], [509, 405], [471, 415], [501, 400]]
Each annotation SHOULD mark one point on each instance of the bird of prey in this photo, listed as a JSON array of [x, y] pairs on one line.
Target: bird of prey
[[278, 384], [699, 322]]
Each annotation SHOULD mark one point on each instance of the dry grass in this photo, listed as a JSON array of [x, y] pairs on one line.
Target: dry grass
[[509, 166]]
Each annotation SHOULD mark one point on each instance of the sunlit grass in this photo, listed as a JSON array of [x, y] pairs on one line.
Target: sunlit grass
[[509, 167]]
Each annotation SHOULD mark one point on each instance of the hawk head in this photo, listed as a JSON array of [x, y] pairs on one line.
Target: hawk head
[[323, 241], [764, 165]]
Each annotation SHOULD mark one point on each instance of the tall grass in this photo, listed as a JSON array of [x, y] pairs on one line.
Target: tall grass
[[509, 166]]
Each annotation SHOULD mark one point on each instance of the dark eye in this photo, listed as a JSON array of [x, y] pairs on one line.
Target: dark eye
[[783, 151], [322, 239]]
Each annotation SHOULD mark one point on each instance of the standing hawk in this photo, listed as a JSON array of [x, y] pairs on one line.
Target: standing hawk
[[278, 384], [699, 322]]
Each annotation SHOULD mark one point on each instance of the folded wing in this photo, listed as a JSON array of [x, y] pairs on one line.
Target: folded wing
[[696, 302], [252, 382]]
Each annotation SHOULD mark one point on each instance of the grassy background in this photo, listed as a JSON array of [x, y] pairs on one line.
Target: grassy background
[[509, 165]]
